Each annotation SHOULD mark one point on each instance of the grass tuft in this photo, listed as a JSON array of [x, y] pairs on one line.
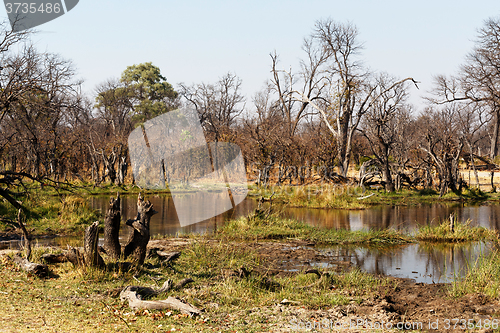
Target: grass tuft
[[483, 276], [463, 232], [256, 226], [325, 196]]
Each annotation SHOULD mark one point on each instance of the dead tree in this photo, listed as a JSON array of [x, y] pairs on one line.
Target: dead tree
[[39, 270], [139, 237], [91, 255], [112, 228]]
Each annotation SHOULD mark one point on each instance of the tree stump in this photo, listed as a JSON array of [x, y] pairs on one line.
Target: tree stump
[[112, 228], [139, 237], [90, 253]]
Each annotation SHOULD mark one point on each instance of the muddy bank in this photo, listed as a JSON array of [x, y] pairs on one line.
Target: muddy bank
[[400, 304], [409, 306]]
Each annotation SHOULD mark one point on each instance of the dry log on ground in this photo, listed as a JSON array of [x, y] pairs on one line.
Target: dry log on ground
[[90, 248], [73, 255], [139, 237], [165, 257], [112, 228], [367, 196], [133, 294], [39, 270], [51, 258], [173, 303]]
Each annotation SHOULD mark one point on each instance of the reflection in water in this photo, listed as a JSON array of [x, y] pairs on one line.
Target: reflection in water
[[397, 217], [166, 221], [423, 263], [428, 264]]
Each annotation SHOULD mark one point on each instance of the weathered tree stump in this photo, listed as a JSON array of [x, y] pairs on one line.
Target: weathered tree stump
[[139, 237], [112, 229], [90, 247]]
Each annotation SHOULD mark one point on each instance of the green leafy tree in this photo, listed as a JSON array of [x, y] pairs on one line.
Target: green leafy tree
[[149, 93], [142, 93]]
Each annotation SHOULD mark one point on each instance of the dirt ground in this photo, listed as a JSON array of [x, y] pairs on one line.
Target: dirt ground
[[403, 304]]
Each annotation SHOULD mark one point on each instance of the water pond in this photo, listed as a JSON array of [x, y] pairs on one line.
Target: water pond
[[422, 263]]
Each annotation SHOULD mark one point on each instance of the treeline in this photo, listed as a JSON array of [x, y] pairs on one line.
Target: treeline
[[331, 114]]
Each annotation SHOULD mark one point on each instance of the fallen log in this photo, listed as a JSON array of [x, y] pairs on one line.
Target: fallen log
[[39, 270], [167, 257], [73, 255], [51, 258], [131, 294], [366, 197]]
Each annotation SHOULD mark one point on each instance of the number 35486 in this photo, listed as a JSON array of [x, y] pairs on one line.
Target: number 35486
[[25, 8]]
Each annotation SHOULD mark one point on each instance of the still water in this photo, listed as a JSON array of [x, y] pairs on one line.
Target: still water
[[422, 263]]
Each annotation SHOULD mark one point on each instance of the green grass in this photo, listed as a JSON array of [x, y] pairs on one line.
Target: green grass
[[64, 210], [52, 214], [483, 276], [326, 196], [258, 226], [463, 232]]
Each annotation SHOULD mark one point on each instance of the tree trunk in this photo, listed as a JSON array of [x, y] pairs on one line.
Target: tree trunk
[[427, 178], [475, 172], [122, 171], [91, 255], [39, 270], [112, 228], [387, 177], [343, 149], [492, 176], [494, 137], [139, 237], [109, 166]]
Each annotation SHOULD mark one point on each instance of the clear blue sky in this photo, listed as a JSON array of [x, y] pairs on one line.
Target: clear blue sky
[[199, 41]]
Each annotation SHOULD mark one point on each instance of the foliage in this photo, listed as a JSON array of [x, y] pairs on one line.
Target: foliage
[[149, 92]]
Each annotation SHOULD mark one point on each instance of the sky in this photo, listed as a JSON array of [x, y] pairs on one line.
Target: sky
[[200, 41]]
